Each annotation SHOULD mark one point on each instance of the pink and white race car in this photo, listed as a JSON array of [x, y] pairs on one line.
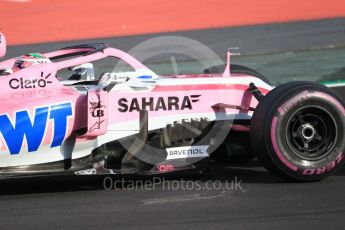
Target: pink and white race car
[[59, 116]]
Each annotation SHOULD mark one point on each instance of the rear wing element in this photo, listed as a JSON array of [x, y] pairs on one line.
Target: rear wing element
[[2, 45]]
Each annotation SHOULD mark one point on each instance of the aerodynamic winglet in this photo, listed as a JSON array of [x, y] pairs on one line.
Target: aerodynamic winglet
[[227, 71]]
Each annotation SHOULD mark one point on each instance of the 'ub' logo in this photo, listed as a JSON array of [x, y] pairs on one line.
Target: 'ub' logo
[[34, 131], [98, 113]]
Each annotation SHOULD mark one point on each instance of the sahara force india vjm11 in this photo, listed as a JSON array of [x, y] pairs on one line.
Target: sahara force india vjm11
[[136, 122]]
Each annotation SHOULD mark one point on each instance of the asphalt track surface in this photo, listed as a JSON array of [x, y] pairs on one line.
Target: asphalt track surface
[[260, 201]]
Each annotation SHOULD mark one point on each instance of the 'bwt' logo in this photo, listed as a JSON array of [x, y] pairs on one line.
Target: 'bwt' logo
[[34, 131]]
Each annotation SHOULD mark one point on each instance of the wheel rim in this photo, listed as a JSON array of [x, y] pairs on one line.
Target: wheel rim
[[311, 133]]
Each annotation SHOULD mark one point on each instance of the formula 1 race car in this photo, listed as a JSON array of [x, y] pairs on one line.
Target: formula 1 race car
[[59, 116]]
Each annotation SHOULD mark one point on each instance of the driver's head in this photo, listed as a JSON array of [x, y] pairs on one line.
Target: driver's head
[[29, 60]]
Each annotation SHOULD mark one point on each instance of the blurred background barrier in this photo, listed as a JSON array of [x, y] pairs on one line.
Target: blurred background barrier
[[285, 40], [37, 21]]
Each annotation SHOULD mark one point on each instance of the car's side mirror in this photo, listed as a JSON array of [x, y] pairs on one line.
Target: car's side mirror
[[84, 72], [105, 80], [2, 45]]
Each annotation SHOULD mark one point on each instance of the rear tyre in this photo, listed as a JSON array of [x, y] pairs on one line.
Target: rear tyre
[[298, 131]]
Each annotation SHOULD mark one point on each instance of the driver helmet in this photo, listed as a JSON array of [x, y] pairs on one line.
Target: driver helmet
[[29, 60]]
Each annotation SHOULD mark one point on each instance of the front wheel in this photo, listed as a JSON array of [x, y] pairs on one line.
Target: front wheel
[[298, 131]]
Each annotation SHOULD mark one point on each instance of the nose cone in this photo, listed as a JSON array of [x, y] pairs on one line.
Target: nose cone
[[2, 45]]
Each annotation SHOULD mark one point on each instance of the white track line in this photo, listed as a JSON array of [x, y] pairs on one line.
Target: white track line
[[182, 198]]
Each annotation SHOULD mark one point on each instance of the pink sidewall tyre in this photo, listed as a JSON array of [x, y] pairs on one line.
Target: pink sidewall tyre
[[298, 131]]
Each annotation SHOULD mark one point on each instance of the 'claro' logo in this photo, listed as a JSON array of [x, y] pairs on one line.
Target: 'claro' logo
[[21, 83]]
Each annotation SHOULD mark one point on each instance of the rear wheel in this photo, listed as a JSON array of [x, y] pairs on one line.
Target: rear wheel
[[298, 131]]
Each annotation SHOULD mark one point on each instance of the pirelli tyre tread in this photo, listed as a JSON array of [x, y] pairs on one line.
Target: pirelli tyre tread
[[298, 131]]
